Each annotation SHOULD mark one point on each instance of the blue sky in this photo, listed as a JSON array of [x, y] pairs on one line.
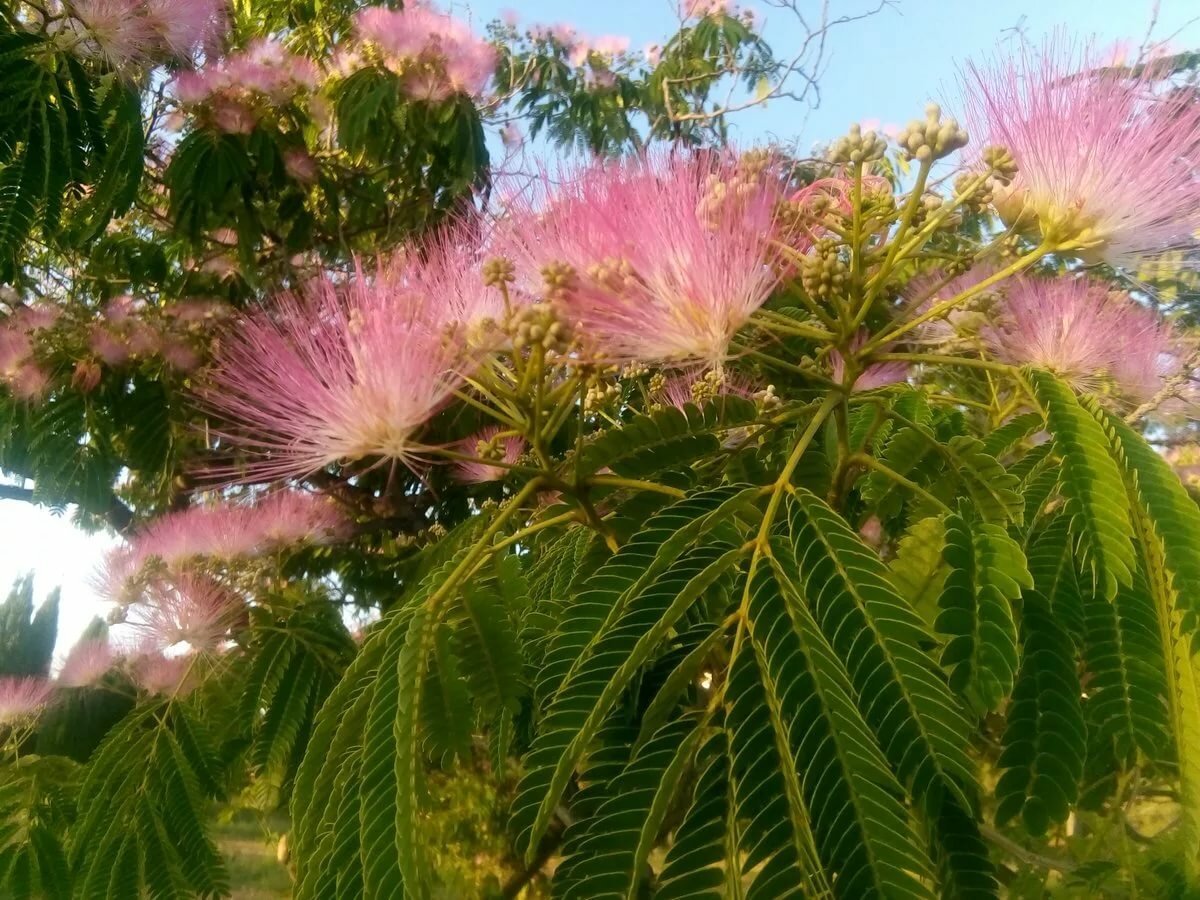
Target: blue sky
[[883, 68]]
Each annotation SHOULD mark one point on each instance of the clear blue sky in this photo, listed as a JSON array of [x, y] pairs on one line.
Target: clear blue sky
[[885, 67]]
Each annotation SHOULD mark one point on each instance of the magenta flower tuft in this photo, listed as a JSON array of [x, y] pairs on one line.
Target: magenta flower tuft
[[655, 259], [22, 698], [1086, 334], [331, 376], [186, 26], [87, 663], [509, 449], [1106, 165], [129, 33]]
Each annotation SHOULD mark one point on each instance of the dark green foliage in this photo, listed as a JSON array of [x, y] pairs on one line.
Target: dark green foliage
[[27, 637], [1045, 739]]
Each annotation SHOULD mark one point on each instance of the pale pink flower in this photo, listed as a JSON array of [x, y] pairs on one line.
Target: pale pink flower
[[434, 51], [224, 531], [681, 390], [300, 165], [15, 349], [653, 53], [168, 675], [510, 17], [661, 258], [22, 698], [331, 376], [186, 26], [442, 279], [1083, 332], [188, 609], [233, 117], [143, 339], [1106, 165], [32, 319], [195, 310], [180, 355], [611, 45], [116, 31], [107, 345], [87, 663], [875, 375], [578, 53], [478, 471], [29, 382]]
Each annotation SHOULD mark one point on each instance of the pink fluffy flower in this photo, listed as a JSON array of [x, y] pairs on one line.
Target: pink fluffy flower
[[683, 389], [1084, 333], [29, 382], [87, 663], [510, 449], [442, 279], [114, 30], [875, 375], [167, 675], [15, 350], [655, 258], [1106, 165], [300, 165], [224, 531], [108, 345], [436, 54], [22, 698], [331, 376], [186, 25], [189, 609]]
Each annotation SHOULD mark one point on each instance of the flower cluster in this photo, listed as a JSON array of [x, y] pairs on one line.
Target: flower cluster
[[38, 343], [490, 446], [237, 89], [655, 260], [22, 699], [87, 662], [127, 33], [24, 376], [435, 55], [221, 532], [1092, 337], [1105, 166]]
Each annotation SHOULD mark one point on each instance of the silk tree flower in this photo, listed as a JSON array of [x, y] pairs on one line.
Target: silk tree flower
[[875, 375], [696, 387], [444, 278], [435, 54], [330, 376], [157, 673], [237, 86], [653, 259], [222, 532], [1103, 162], [22, 698], [189, 610], [1095, 339], [507, 449], [186, 25], [86, 663]]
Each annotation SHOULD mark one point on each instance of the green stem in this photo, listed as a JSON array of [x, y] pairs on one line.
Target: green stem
[[906, 219], [871, 462], [482, 546], [636, 484], [941, 309], [937, 359]]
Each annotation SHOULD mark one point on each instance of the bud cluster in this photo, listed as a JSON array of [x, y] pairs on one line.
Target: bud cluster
[[498, 271], [539, 325], [707, 387], [1000, 162], [560, 279], [823, 273], [932, 139], [857, 147]]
